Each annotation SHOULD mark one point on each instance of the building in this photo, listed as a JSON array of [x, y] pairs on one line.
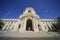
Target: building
[[28, 21]]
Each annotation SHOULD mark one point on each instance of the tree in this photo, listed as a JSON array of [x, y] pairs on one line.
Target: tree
[[1, 24], [57, 25]]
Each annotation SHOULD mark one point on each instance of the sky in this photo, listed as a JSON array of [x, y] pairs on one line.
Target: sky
[[46, 9]]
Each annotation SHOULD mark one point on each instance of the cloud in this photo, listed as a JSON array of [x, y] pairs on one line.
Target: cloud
[[7, 14]]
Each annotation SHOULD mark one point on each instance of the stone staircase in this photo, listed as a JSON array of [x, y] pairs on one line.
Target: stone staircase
[[29, 34]]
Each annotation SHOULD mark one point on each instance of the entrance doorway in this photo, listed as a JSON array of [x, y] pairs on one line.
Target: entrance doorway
[[29, 25]]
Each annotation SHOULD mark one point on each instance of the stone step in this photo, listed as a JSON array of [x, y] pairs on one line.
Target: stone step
[[27, 34]]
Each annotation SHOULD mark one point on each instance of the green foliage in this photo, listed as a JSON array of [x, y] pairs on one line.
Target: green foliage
[[58, 30], [1, 24], [57, 25]]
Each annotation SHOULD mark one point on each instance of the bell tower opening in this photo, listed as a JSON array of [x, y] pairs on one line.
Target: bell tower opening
[[29, 11], [29, 25]]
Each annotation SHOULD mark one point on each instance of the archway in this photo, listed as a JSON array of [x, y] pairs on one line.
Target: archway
[[29, 25]]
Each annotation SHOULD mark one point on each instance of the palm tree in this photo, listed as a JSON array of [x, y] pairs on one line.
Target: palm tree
[[1, 24]]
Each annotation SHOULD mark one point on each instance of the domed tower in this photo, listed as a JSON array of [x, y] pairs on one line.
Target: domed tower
[[29, 11], [29, 20]]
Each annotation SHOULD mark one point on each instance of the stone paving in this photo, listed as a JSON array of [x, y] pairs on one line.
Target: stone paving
[[29, 34]]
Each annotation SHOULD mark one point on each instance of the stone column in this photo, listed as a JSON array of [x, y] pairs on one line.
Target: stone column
[[46, 26], [49, 25], [16, 26], [37, 29], [11, 25], [5, 26], [8, 25], [42, 26], [22, 24], [35, 25]]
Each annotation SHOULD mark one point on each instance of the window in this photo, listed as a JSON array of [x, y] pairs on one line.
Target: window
[[39, 27], [19, 26], [29, 11]]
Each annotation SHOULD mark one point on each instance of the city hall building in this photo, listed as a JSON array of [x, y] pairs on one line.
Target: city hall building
[[28, 21]]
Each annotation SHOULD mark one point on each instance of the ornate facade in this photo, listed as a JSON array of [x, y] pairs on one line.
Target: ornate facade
[[28, 21]]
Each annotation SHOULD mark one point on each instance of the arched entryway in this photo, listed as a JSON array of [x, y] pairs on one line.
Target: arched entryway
[[29, 25]]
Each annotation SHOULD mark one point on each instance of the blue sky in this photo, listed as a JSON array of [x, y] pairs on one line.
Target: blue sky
[[44, 8]]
